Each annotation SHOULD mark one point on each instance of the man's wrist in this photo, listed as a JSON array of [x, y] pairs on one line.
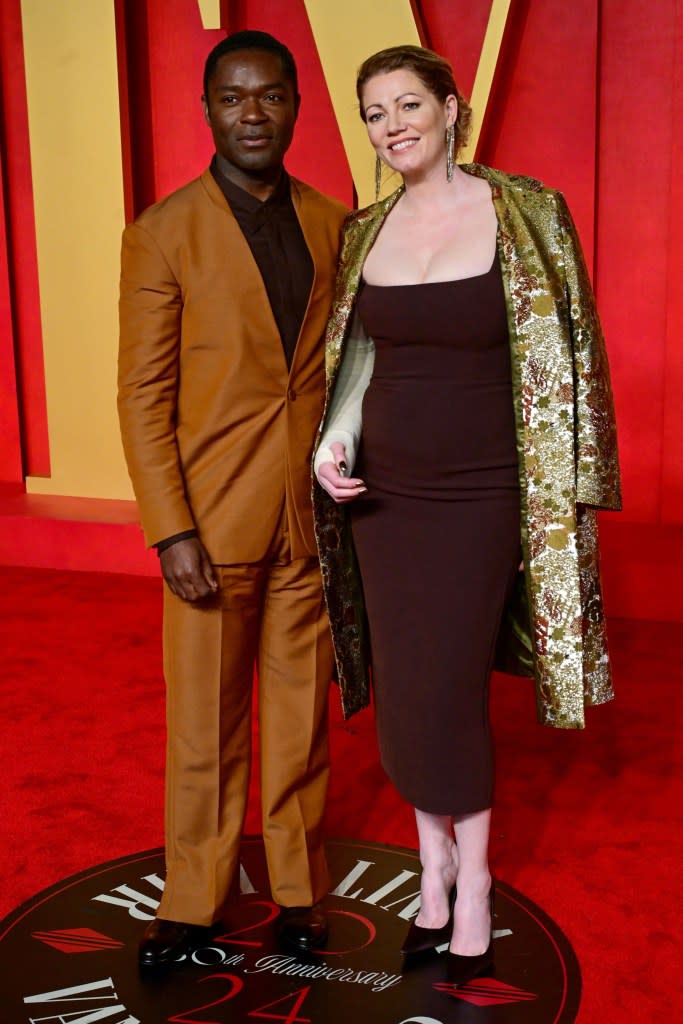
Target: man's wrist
[[168, 542]]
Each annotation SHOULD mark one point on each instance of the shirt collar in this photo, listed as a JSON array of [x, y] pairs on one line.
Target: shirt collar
[[244, 201]]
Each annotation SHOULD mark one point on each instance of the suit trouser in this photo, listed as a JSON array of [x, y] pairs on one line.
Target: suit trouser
[[270, 614]]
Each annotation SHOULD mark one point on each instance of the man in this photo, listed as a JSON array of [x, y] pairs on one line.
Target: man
[[225, 291]]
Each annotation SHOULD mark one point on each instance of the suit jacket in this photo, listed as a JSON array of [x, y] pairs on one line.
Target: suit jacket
[[217, 432], [554, 629]]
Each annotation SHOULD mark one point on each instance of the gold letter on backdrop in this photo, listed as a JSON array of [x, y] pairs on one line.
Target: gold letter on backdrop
[[210, 11], [75, 135], [347, 33], [486, 69]]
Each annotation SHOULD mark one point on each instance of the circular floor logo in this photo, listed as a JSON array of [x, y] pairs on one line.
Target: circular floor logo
[[69, 955]]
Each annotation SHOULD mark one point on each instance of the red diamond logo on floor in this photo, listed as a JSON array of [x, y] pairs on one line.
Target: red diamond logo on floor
[[486, 992], [77, 940]]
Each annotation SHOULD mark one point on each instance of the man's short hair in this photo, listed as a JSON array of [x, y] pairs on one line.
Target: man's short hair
[[251, 40]]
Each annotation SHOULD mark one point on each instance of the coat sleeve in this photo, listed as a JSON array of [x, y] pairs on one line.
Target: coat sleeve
[[344, 420], [150, 312], [597, 463]]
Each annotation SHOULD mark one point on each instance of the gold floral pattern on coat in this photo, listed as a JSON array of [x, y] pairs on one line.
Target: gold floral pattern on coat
[[554, 627]]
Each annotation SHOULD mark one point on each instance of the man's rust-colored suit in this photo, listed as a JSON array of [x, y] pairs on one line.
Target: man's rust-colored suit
[[218, 436]]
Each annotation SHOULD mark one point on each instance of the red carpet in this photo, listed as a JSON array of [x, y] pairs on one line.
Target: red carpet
[[584, 823]]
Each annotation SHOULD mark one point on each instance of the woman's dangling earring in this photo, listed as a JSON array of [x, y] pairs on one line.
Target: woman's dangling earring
[[450, 151], [378, 177]]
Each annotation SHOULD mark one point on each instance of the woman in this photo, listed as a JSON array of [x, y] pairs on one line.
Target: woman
[[464, 330]]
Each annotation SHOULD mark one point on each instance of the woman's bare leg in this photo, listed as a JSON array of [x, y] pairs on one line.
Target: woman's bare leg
[[439, 859], [471, 916]]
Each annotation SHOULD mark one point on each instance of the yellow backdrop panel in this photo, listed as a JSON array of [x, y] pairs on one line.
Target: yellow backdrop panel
[[75, 136]]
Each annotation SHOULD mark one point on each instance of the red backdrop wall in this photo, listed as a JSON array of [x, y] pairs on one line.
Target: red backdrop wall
[[588, 97]]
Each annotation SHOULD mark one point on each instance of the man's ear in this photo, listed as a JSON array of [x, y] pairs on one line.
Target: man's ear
[[205, 108]]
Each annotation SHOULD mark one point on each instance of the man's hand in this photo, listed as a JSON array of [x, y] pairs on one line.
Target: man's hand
[[187, 569], [331, 476]]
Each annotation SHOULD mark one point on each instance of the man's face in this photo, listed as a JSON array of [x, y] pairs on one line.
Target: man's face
[[251, 109]]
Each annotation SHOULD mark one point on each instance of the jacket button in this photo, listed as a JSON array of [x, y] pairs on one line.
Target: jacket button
[[291, 395]]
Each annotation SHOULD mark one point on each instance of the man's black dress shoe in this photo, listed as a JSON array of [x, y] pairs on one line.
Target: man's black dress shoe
[[420, 939], [164, 942], [461, 969], [302, 928]]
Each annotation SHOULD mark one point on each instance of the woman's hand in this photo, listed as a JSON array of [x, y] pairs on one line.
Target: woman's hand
[[331, 476]]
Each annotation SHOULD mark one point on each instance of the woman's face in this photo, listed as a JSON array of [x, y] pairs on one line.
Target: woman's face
[[406, 123]]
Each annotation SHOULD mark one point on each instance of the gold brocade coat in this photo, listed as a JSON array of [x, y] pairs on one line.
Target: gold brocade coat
[[554, 628]]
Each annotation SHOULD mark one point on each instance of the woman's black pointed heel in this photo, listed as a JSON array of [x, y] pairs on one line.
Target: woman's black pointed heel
[[419, 939], [461, 969]]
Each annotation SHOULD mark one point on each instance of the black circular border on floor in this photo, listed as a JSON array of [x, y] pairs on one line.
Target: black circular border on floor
[[69, 954]]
